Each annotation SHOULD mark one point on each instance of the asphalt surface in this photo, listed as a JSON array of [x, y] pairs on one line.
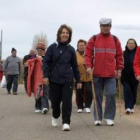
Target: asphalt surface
[[19, 122]]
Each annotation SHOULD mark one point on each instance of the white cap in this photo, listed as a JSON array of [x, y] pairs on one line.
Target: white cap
[[104, 21]]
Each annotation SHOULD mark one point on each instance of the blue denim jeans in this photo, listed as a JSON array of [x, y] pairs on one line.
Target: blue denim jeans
[[43, 102], [12, 79], [107, 85]]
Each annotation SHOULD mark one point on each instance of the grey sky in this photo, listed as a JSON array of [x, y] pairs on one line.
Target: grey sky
[[20, 20]]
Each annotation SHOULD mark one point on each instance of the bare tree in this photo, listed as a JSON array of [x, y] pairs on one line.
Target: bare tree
[[39, 38]]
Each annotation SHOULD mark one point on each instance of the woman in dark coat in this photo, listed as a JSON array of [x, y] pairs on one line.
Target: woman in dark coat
[[60, 68], [128, 79]]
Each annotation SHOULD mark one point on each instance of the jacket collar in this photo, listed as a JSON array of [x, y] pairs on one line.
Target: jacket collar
[[57, 43], [108, 34]]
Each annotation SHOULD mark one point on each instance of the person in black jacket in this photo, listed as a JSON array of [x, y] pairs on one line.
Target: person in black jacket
[[27, 57], [128, 80], [60, 68]]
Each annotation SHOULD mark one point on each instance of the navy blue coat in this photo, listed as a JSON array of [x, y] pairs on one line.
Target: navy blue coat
[[128, 71], [66, 67]]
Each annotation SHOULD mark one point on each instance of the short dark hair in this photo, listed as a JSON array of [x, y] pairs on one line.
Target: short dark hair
[[13, 49], [81, 40], [69, 29]]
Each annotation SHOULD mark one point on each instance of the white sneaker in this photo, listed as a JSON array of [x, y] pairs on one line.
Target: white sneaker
[[79, 110], [37, 111], [44, 110], [54, 122], [109, 122], [98, 123], [128, 111], [132, 111], [66, 127], [87, 110]]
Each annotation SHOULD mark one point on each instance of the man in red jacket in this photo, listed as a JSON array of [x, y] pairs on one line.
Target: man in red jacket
[[104, 59], [136, 65]]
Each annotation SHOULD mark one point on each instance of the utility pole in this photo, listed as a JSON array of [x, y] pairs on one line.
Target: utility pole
[[1, 46]]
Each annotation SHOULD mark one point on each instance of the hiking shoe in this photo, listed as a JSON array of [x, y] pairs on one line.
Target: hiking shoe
[[132, 110], [87, 110], [37, 111], [44, 110], [14, 93], [79, 110], [8, 92], [66, 127], [54, 122], [98, 123], [128, 111], [109, 122]]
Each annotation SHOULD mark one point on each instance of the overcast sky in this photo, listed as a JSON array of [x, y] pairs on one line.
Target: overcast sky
[[21, 20]]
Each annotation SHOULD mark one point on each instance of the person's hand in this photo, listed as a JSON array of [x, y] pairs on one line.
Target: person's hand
[[89, 71], [138, 77], [118, 74], [26, 64], [79, 85], [40, 57], [46, 81]]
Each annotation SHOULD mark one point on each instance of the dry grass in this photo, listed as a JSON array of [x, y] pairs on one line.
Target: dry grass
[[138, 94]]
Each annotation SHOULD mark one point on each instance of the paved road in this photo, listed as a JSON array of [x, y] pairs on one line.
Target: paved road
[[19, 122]]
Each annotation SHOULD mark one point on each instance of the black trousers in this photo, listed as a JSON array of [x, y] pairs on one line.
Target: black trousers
[[43, 102], [61, 93], [130, 94], [84, 95], [12, 79]]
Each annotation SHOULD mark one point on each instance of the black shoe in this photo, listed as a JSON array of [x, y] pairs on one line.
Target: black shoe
[[8, 92], [14, 93]]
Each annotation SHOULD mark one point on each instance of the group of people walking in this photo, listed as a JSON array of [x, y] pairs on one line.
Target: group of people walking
[[92, 69]]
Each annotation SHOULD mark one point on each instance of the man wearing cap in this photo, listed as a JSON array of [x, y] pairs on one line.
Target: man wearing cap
[[12, 70], [104, 59]]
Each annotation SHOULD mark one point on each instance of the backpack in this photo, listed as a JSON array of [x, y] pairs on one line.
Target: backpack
[[115, 38]]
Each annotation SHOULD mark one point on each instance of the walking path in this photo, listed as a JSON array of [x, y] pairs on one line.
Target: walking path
[[19, 122]]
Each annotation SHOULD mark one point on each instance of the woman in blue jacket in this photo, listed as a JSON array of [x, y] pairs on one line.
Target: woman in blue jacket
[[60, 68]]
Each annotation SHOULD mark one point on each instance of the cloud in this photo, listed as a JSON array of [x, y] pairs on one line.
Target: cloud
[[21, 20], [127, 27]]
